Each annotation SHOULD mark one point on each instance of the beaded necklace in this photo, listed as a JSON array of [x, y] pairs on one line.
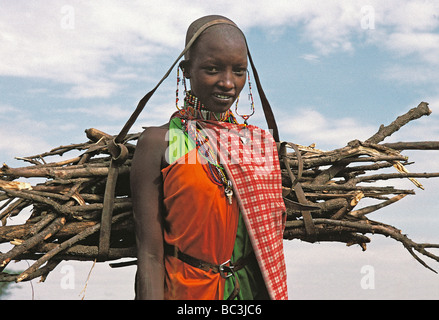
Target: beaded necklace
[[193, 108]]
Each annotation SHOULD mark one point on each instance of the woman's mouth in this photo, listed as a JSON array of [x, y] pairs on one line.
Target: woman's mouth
[[223, 97]]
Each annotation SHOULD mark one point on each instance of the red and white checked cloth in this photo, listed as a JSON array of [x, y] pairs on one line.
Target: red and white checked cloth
[[249, 156]]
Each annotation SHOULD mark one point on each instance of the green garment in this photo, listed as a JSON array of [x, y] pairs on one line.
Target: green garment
[[179, 144], [252, 286], [250, 279]]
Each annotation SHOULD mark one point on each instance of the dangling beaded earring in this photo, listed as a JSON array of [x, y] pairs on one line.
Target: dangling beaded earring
[[183, 80], [176, 91], [245, 117]]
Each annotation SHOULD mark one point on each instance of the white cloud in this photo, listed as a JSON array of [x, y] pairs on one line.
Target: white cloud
[[408, 16], [75, 43], [313, 58], [308, 126], [417, 73], [36, 42], [110, 112], [327, 132], [408, 30], [110, 118], [20, 135], [20, 143], [423, 44], [92, 89], [6, 109]]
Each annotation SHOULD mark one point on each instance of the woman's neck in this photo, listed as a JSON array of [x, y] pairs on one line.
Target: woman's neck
[[196, 109]]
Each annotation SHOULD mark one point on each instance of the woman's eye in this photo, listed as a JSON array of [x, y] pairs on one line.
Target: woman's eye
[[212, 69], [241, 72]]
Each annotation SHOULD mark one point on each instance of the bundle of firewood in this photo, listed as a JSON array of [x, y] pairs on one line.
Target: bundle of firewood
[[61, 213]]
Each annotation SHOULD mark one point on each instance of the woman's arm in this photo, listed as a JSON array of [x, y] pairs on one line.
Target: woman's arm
[[146, 189]]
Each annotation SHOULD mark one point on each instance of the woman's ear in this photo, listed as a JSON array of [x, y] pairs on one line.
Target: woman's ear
[[185, 66]]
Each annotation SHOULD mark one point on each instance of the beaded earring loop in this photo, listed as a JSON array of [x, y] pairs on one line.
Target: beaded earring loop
[[177, 91], [245, 117]]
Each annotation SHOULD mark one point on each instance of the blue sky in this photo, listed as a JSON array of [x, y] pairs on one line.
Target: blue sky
[[333, 71]]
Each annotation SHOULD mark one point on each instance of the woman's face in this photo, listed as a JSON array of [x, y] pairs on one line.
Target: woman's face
[[217, 67]]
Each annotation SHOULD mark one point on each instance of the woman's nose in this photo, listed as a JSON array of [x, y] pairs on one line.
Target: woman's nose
[[227, 80]]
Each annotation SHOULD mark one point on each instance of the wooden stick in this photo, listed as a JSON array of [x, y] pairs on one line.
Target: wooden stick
[[81, 253], [366, 210], [67, 244], [420, 145], [379, 228], [387, 176], [31, 242], [42, 272], [415, 113]]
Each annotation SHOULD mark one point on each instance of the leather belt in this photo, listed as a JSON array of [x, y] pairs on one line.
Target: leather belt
[[226, 269]]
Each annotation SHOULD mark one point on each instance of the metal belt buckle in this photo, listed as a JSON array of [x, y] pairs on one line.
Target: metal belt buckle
[[225, 270]]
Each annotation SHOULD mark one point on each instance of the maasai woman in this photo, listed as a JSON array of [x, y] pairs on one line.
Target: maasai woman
[[206, 190]]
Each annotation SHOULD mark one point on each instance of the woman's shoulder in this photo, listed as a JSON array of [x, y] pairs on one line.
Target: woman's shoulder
[[153, 139], [154, 134]]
